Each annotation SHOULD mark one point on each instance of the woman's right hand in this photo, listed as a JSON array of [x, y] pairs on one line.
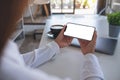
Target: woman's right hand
[[88, 46]]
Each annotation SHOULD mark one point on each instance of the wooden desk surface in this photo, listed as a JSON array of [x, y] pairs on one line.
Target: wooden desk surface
[[69, 62]]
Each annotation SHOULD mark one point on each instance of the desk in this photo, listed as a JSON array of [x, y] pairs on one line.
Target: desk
[[68, 63]]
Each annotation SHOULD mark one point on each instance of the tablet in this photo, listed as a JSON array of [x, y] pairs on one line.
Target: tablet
[[103, 45]]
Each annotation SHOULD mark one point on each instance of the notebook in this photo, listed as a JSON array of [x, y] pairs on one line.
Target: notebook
[[103, 45]]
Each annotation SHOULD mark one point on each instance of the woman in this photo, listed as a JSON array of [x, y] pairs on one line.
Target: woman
[[14, 66]]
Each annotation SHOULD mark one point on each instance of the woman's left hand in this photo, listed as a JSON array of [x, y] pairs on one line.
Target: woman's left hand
[[63, 40]]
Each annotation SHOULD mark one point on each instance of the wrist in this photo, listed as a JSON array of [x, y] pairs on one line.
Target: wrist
[[57, 43], [89, 54], [85, 53], [54, 47]]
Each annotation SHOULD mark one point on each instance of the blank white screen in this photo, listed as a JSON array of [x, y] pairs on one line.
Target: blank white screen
[[79, 31]]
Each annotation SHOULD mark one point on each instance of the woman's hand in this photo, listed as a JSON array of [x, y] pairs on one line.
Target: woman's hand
[[62, 40], [88, 46]]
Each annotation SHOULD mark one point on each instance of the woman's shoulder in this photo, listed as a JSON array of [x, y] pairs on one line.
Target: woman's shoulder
[[11, 49]]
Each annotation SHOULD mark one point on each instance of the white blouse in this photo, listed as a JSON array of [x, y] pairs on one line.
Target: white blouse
[[15, 66]]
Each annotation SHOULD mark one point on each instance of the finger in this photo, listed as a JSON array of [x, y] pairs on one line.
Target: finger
[[70, 39], [94, 36], [63, 29], [81, 42], [93, 42], [84, 43]]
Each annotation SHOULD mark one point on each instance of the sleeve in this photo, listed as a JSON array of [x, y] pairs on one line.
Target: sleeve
[[41, 55], [91, 68], [20, 72]]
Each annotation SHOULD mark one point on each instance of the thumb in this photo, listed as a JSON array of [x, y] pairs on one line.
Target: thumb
[[62, 31]]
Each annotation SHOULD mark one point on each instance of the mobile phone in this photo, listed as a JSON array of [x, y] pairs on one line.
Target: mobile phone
[[79, 31]]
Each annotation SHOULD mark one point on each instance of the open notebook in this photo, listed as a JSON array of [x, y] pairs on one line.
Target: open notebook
[[103, 45]]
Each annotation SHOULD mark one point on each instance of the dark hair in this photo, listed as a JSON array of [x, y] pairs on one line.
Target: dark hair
[[10, 12]]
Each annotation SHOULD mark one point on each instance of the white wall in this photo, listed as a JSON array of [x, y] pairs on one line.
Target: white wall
[[33, 9]]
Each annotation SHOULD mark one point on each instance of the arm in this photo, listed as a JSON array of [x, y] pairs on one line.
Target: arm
[[91, 68], [15, 71], [13, 68], [41, 55]]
